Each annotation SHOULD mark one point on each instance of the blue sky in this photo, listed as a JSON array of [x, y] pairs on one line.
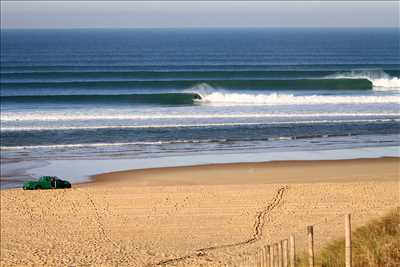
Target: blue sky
[[74, 14]]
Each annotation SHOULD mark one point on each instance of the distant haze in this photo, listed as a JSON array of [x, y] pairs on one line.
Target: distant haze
[[93, 14]]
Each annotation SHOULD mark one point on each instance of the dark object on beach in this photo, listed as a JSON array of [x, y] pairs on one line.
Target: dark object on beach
[[46, 182]]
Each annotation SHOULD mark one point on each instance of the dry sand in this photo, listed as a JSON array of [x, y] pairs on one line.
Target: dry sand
[[210, 215]]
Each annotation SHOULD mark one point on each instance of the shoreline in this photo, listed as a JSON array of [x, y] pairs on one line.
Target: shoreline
[[80, 171], [270, 172]]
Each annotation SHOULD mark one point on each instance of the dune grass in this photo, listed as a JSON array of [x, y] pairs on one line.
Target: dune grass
[[376, 244]]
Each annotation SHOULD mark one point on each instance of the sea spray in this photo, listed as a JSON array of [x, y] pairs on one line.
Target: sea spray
[[380, 79], [228, 98]]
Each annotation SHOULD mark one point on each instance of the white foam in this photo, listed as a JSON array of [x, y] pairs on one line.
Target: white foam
[[213, 96], [290, 99], [95, 145], [12, 117], [97, 127], [380, 79]]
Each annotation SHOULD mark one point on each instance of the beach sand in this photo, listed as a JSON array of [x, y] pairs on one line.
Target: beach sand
[[211, 215]]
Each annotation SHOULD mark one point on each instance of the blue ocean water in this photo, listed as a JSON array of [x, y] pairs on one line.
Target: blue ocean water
[[142, 93]]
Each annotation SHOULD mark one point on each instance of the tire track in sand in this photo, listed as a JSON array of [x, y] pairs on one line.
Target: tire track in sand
[[256, 233]]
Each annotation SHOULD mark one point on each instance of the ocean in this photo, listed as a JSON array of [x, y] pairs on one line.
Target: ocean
[[90, 94]]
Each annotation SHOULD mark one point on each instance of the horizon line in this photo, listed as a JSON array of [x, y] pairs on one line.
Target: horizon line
[[205, 27]]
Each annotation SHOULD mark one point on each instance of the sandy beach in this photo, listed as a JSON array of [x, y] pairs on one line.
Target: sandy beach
[[212, 215], [200, 133]]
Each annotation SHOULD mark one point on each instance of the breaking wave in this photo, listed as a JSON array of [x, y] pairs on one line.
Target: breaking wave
[[290, 99], [12, 117], [380, 79]]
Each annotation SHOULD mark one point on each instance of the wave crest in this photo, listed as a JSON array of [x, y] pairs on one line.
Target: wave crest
[[380, 79], [124, 116], [226, 98]]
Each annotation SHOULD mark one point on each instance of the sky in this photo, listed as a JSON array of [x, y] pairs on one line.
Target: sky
[[129, 14]]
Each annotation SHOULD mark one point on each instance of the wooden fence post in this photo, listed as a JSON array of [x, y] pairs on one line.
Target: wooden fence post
[[280, 261], [267, 255], [285, 253], [271, 256], [257, 258], [292, 252], [276, 252], [262, 257], [348, 240], [310, 232]]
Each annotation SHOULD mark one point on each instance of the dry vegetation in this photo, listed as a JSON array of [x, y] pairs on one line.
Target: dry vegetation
[[376, 244]]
